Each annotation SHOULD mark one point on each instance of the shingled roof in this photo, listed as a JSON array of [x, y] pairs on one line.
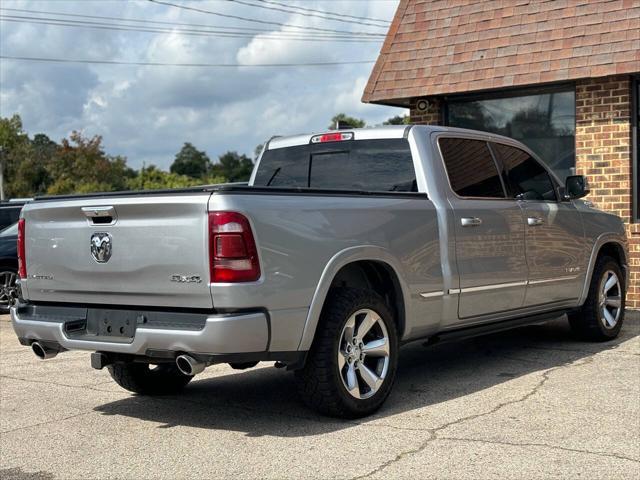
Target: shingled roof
[[438, 47]]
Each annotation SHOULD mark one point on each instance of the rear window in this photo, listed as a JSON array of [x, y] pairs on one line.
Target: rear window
[[373, 165]]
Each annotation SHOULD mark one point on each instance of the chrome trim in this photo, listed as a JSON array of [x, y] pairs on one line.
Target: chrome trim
[[471, 221], [101, 244], [550, 280], [492, 287], [98, 211], [432, 294], [454, 291]]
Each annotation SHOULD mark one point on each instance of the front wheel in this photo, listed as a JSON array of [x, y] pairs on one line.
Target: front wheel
[[602, 314], [352, 363]]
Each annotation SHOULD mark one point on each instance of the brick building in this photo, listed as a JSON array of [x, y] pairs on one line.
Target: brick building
[[562, 76]]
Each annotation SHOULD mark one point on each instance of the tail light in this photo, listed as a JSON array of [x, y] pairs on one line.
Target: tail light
[[232, 249], [332, 137], [22, 259]]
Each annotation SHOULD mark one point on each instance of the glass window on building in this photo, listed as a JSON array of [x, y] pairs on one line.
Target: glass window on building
[[545, 122], [636, 148]]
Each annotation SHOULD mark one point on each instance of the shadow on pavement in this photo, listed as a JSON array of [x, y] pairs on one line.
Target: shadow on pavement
[[264, 401]]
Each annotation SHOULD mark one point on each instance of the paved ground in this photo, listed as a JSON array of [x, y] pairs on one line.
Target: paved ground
[[531, 403]]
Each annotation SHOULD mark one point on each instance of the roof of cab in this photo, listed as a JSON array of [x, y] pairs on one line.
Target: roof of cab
[[386, 131], [372, 133]]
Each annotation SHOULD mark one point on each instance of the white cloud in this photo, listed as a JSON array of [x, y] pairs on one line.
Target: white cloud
[[146, 113]]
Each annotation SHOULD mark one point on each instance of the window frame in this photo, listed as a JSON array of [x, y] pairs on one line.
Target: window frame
[[510, 188], [495, 164]]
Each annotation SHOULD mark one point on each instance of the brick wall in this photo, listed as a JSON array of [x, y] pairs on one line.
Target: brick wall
[[430, 116], [603, 153]]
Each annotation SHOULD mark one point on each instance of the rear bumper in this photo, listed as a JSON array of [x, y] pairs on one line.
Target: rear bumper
[[214, 335]]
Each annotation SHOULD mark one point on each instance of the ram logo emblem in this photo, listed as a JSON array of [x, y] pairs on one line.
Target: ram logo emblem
[[101, 247]]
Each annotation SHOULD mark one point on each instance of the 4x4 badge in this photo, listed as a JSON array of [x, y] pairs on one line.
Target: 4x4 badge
[[101, 246]]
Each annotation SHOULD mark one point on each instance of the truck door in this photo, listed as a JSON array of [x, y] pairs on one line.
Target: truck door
[[553, 229], [489, 231]]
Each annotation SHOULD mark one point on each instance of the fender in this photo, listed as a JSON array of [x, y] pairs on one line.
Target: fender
[[600, 241], [339, 260]]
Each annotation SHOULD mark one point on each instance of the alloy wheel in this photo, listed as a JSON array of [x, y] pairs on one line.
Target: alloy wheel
[[363, 354], [610, 299], [7, 287]]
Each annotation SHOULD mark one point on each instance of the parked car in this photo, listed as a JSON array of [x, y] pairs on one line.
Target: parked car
[[8, 265], [10, 212], [344, 246]]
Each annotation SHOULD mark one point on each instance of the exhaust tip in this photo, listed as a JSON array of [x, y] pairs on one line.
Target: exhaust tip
[[188, 365], [42, 352]]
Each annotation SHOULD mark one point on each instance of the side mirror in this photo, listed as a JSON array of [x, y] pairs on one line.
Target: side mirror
[[576, 186]]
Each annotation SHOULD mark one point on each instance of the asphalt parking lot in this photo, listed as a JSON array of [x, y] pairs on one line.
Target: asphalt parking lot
[[530, 403]]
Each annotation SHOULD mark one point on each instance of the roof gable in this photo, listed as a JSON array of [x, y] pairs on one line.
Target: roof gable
[[437, 47]]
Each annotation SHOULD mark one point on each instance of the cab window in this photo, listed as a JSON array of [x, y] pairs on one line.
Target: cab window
[[527, 179], [471, 169]]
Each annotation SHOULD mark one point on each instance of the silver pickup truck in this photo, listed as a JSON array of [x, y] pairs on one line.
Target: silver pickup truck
[[343, 246]]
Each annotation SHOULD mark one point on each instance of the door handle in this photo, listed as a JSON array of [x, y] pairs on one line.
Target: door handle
[[535, 221], [100, 215], [471, 221]]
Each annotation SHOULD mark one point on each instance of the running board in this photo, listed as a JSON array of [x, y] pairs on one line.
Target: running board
[[494, 327]]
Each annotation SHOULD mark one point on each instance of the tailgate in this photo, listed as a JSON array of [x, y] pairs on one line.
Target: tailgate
[[138, 250]]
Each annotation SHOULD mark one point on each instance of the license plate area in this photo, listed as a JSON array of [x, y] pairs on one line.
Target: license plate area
[[112, 323]]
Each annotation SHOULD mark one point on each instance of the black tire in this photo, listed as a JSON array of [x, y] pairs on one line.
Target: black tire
[[145, 379], [6, 273], [589, 322], [319, 382]]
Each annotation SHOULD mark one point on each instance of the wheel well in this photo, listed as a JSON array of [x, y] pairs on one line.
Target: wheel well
[[9, 263], [613, 250], [379, 277]]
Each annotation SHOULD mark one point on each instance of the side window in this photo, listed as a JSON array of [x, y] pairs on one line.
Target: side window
[[527, 178], [471, 169]]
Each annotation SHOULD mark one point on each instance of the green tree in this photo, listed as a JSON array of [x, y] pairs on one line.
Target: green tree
[[191, 162], [38, 166], [233, 167], [397, 120], [81, 166], [19, 167], [344, 118], [152, 178]]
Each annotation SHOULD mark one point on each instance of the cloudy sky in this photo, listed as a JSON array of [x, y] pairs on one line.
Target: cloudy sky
[[147, 112]]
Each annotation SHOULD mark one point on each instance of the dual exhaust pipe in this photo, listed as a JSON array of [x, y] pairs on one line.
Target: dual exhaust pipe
[[187, 364], [42, 351]]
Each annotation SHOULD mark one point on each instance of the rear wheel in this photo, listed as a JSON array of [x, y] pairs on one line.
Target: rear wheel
[[145, 379], [602, 314], [8, 277], [352, 363]]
